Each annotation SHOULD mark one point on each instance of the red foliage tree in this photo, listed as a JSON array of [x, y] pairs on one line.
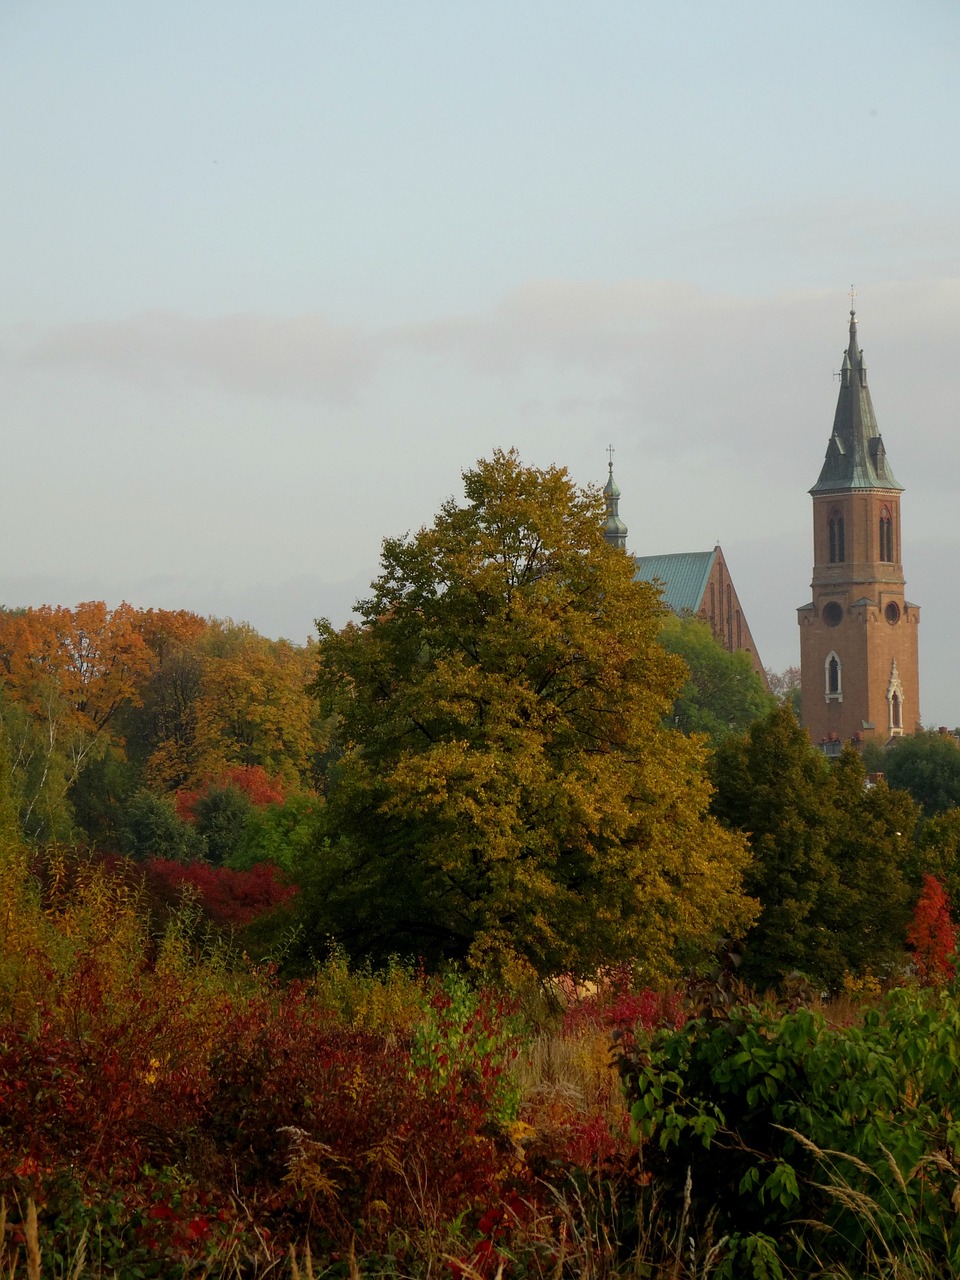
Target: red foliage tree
[[932, 935], [252, 780]]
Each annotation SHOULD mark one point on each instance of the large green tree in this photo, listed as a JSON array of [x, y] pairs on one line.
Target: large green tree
[[928, 766], [722, 693], [831, 857], [506, 789]]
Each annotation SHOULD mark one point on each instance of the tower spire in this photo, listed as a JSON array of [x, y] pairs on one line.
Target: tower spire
[[855, 458], [614, 530]]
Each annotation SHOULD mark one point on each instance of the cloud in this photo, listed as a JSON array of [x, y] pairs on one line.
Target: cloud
[[303, 355], [709, 365]]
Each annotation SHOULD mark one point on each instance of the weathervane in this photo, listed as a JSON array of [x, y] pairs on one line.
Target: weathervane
[[610, 455]]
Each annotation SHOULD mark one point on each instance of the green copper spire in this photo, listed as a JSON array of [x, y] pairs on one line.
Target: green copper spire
[[856, 458], [614, 530]]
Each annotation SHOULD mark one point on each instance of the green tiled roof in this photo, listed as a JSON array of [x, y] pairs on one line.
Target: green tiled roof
[[856, 458], [683, 575]]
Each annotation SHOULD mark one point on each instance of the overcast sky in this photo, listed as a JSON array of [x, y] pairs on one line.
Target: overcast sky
[[274, 275]]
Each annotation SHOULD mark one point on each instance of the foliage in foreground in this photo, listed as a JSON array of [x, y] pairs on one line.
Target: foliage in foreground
[[168, 1110], [837, 1147], [177, 1104]]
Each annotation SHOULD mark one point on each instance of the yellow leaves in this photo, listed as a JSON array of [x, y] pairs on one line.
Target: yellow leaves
[[311, 1166], [504, 743], [253, 706]]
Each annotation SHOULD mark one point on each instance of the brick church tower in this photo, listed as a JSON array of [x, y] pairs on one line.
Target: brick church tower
[[859, 672]]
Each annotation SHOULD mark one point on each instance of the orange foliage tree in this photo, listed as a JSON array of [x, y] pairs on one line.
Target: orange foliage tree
[[69, 671]]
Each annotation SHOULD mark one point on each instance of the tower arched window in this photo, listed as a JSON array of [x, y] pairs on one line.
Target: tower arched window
[[837, 542], [833, 678], [886, 535]]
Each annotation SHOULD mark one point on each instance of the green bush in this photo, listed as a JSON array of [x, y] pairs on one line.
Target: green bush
[[841, 1144]]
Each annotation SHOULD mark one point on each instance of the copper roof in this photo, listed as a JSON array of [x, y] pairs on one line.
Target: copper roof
[[683, 575], [856, 458]]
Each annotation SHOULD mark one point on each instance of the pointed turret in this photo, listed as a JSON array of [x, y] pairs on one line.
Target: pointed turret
[[614, 530], [855, 458]]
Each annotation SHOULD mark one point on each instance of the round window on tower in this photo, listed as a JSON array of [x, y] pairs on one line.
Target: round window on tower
[[892, 613], [832, 614]]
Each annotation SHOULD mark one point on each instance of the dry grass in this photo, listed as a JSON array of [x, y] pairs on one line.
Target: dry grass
[[563, 1078]]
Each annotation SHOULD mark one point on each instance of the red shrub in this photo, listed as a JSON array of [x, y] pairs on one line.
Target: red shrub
[[228, 897], [615, 1007], [932, 935]]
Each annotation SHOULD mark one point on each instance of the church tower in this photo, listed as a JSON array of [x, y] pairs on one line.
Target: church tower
[[859, 672]]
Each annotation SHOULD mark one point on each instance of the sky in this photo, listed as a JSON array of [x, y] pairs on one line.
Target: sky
[[273, 276]]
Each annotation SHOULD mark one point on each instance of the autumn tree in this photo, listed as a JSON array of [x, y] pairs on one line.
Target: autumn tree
[[932, 935], [253, 706], [722, 693], [219, 697], [162, 731], [507, 790], [67, 672]]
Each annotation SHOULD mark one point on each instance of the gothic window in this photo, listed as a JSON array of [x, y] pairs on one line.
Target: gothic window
[[833, 688], [896, 712], [739, 631], [886, 535], [835, 531], [729, 617]]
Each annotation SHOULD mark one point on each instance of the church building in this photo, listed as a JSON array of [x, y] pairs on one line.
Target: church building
[[859, 671], [692, 583]]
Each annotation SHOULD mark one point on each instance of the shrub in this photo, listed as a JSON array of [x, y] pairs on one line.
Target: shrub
[[227, 897], [932, 935], [846, 1138]]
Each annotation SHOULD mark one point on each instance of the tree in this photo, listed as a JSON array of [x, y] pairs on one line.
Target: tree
[[722, 693], [221, 818], [69, 671], [927, 765], [939, 852], [253, 706], [506, 789], [221, 696], [9, 809], [151, 828], [829, 855], [932, 935], [161, 733], [785, 686]]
